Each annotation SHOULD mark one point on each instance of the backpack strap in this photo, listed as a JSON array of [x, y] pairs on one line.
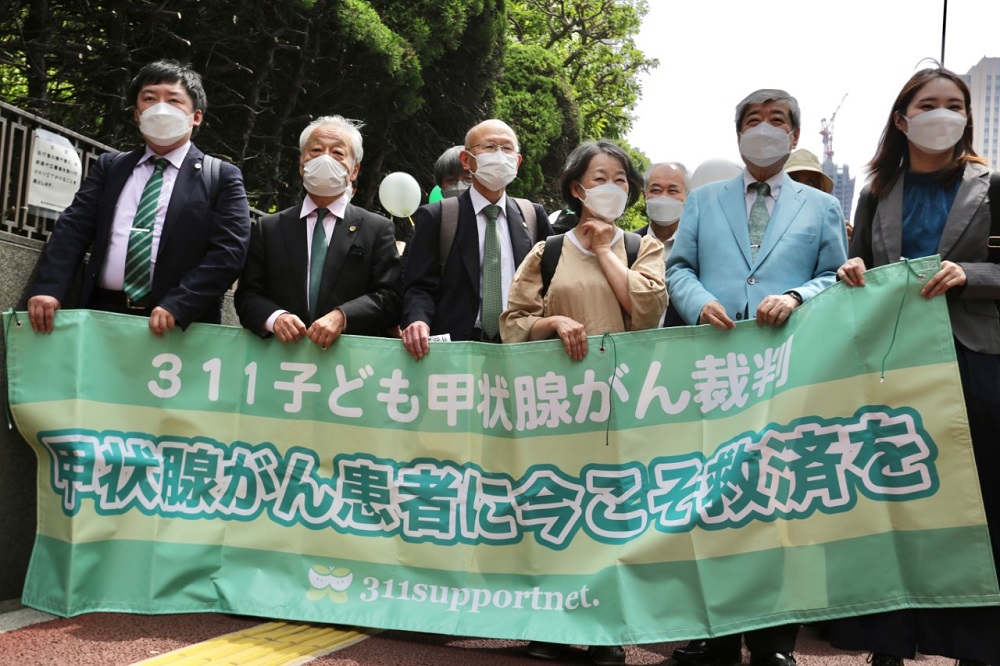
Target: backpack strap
[[632, 242], [550, 259], [993, 241], [553, 250], [449, 224], [212, 166], [528, 213]]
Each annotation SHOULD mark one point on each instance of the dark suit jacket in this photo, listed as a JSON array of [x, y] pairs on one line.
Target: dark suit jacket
[[202, 245], [878, 240], [449, 301], [360, 276]]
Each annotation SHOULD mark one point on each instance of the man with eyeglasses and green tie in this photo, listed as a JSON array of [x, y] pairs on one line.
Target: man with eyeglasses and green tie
[[464, 251]]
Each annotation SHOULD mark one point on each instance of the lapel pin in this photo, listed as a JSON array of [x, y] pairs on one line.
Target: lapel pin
[[524, 224], [197, 165], [354, 229]]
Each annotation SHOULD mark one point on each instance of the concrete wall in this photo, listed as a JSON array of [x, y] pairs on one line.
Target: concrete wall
[[17, 461]]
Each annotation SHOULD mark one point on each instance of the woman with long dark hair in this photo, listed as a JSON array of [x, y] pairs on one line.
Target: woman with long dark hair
[[928, 194]]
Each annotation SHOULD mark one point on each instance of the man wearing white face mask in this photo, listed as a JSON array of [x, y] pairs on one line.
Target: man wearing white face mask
[[464, 250], [666, 186], [167, 227], [758, 245], [754, 246], [323, 267]]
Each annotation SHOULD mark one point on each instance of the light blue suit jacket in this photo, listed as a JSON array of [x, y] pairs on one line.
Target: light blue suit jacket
[[804, 245]]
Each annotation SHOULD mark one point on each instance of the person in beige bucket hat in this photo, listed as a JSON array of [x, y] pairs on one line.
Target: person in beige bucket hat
[[803, 166]]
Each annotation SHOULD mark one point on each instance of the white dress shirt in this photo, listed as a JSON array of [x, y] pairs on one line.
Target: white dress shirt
[[751, 194], [113, 272]]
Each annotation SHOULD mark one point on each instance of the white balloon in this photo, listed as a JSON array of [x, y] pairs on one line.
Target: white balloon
[[399, 194], [713, 170]]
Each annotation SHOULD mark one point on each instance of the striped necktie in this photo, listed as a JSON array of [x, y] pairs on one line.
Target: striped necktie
[[317, 259], [758, 217], [138, 258], [492, 287]]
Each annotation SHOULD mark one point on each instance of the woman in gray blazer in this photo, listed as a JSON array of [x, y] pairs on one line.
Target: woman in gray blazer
[[928, 194]]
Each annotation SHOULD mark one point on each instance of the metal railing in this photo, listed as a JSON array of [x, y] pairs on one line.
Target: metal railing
[[16, 141]]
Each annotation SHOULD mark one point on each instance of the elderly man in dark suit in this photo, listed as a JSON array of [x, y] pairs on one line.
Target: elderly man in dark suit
[[464, 251], [324, 267], [167, 226]]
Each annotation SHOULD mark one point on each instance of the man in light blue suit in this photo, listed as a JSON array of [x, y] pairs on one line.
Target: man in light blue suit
[[755, 246], [761, 244]]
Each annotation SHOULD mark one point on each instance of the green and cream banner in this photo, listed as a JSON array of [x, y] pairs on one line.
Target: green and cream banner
[[677, 483]]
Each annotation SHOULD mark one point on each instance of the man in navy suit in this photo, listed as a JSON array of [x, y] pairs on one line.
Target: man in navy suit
[[183, 247], [325, 266], [754, 247], [443, 286]]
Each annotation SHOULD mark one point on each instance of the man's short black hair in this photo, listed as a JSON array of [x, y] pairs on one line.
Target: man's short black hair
[[169, 71]]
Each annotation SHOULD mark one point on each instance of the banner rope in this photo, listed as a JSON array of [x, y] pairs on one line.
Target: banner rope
[[614, 377], [899, 312]]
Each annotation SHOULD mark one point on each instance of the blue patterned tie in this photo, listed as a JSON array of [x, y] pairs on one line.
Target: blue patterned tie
[[758, 217], [139, 255], [492, 287], [317, 260]]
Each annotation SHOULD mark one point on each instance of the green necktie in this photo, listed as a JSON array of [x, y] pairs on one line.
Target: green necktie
[[138, 257], [758, 217], [317, 260], [492, 288]]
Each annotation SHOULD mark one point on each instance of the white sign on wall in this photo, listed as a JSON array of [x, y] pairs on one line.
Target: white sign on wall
[[55, 172]]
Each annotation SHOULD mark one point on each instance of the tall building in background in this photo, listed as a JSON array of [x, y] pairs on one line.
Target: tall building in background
[[843, 184], [984, 84]]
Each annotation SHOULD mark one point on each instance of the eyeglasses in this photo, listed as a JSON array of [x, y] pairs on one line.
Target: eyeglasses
[[493, 147]]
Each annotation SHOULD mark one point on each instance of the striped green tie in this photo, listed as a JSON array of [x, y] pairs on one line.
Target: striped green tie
[[492, 287], [138, 263]]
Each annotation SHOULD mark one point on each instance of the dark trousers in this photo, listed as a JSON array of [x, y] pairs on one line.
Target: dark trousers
[[759, 641], [958, 633]]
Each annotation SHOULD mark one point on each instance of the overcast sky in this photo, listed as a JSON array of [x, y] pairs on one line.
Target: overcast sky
[[713, 53]]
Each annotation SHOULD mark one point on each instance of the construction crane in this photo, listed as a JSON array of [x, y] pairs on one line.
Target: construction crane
[[827, 132]]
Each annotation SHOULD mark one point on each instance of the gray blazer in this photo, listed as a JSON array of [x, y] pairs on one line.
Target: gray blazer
[[972, 308]]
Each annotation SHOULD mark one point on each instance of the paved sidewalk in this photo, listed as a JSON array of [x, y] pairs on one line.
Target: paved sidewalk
[[31, 638]]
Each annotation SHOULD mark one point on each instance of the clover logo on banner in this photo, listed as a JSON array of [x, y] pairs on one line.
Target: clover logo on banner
[[329, 582]]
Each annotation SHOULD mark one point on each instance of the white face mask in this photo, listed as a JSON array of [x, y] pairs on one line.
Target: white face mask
[[325, 177], [163, 124], [606, 201], [664, 210], [764, 144], [454, 190], [936, 131], [495, 170]]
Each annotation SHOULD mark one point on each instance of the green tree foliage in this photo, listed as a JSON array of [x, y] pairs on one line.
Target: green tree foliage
[[585, 48], [536, 101], [419, 73], [595, 42], [269, 66]]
